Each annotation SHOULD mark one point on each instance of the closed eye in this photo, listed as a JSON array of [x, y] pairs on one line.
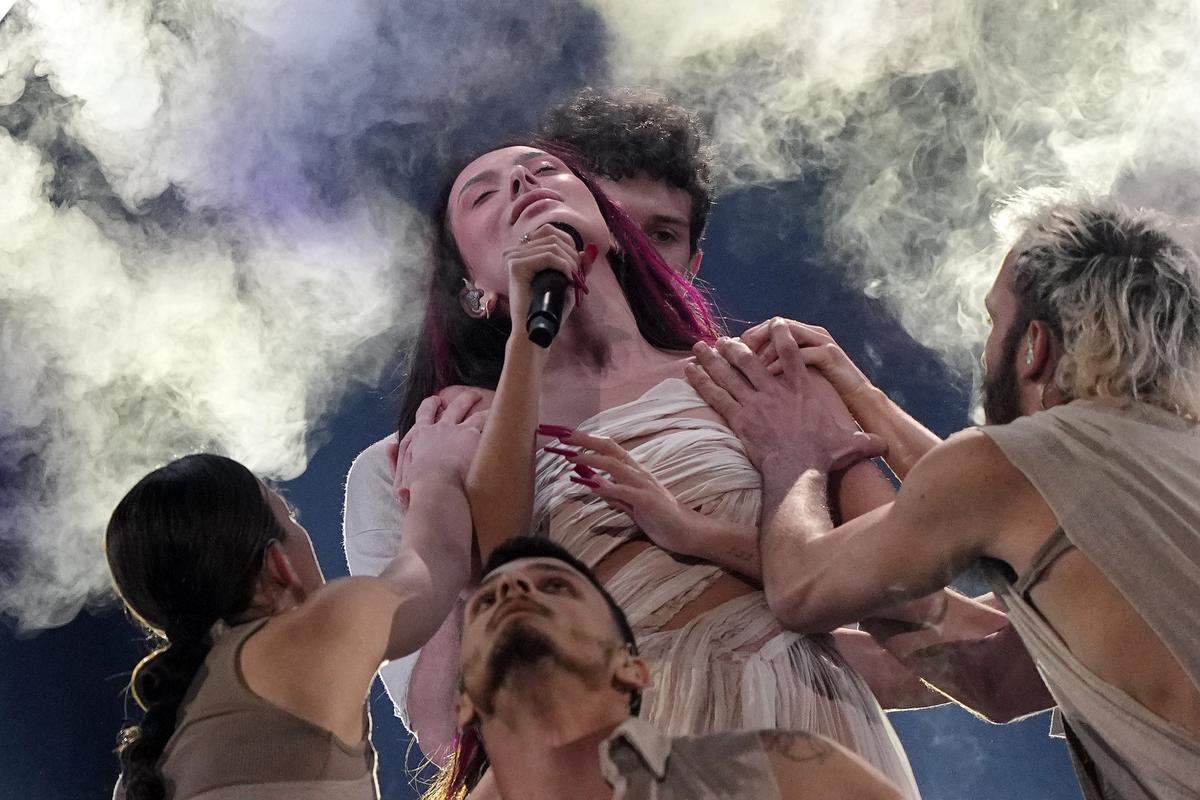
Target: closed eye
[[545, 168], [482, 196]]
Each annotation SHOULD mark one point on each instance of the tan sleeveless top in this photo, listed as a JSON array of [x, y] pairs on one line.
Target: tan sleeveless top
[[1124, 485], [229, 742]]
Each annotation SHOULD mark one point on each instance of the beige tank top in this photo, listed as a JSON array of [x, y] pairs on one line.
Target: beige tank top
[[229, 742]]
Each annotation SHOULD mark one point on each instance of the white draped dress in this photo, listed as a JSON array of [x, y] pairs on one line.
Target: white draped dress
[[732, 667]]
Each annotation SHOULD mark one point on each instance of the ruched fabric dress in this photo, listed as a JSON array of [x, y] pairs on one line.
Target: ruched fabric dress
[[732, 667]]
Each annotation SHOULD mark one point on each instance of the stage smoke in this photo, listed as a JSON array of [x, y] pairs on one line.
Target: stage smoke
[[918, 116], [208, 234]]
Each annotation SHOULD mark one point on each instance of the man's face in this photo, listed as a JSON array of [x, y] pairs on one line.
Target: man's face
[[531, 614], [1001, 389], [663, 212]]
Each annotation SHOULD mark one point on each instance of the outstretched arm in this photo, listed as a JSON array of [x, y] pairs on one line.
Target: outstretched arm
[[817, 578], [973, 656], [908, 440]]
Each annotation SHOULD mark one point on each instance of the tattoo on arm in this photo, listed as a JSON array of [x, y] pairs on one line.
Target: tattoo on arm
[[797, 746]]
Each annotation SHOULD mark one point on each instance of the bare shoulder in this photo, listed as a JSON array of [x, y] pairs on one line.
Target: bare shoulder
[[810, 766], [968, 463]]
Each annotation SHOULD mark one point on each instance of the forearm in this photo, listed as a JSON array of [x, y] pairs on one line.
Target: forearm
[[860, 489], [794, 513], [973, 656], [500, 483], [908, 440], [727, 544], [894, 685], [433, 564]]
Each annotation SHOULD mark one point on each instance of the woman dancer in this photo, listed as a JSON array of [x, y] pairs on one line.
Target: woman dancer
[[719, 658], [260, 689]]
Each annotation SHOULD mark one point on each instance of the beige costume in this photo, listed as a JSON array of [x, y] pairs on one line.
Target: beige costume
[[642, 763], [1124, 484], [733, 667], [231, 744]]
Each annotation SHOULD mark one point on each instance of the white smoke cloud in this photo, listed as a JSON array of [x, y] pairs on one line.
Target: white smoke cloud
[[923, 114], [202, 244]]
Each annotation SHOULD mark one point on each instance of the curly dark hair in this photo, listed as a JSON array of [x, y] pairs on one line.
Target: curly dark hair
[[632, 133]]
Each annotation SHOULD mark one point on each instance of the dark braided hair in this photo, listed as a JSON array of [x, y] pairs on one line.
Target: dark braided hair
[[185, 547]]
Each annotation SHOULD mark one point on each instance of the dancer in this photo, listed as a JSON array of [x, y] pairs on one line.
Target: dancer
[[1080, 497], [651, 157], [972, 654], [259, 690], [722, 662], [549, 686]]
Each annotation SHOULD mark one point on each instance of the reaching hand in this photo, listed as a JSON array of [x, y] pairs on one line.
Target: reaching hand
[[442, 442], [628, 487], [818, 350], [780, 419]]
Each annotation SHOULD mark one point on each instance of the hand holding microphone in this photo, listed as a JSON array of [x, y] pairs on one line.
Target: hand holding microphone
[[556, 257]]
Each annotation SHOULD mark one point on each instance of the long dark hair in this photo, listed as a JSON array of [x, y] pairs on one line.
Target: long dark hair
[[454, 348], [185, 547]]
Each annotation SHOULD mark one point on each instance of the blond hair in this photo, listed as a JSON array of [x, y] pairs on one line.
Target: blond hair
[[1124, 298]]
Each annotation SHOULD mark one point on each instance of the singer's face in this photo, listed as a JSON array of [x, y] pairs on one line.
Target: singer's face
[[507, 193]]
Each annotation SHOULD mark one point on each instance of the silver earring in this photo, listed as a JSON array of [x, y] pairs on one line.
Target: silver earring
[[472, 297], [1029, 356]]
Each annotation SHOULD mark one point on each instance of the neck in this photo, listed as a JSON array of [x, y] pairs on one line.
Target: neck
[[601, 336], [544, 738]]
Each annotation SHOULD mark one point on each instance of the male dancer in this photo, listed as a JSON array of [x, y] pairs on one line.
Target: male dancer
[[651, 156], [550, 681], [1081, 498]]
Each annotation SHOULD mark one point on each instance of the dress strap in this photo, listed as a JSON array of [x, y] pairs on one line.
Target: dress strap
[[1047, 554]]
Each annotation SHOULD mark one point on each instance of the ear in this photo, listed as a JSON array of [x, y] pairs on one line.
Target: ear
[[279, 570], [1037, 360], [632, 673], [465, 713], [693, 267]]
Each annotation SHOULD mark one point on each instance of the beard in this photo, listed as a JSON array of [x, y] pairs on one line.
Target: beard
[[1001, 397], [522, 647]]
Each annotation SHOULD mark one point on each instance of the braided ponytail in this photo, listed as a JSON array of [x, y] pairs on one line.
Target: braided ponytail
[[185, 547], [159, 685]]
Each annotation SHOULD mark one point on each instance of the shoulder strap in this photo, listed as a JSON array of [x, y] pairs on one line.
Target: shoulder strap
[[1047, 554]]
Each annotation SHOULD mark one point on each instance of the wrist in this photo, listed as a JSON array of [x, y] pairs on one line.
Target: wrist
[[866, 402], [436, 482]]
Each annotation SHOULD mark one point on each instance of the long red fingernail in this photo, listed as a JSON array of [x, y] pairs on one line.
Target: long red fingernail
[[584, 471], [562, 451], [557, 431], [588, 482]]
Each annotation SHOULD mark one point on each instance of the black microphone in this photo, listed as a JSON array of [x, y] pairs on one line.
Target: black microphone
[[547, 296]]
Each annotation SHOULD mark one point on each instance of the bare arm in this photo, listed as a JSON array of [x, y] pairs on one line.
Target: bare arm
[[973, 656], [945, 516], [500, 483]]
